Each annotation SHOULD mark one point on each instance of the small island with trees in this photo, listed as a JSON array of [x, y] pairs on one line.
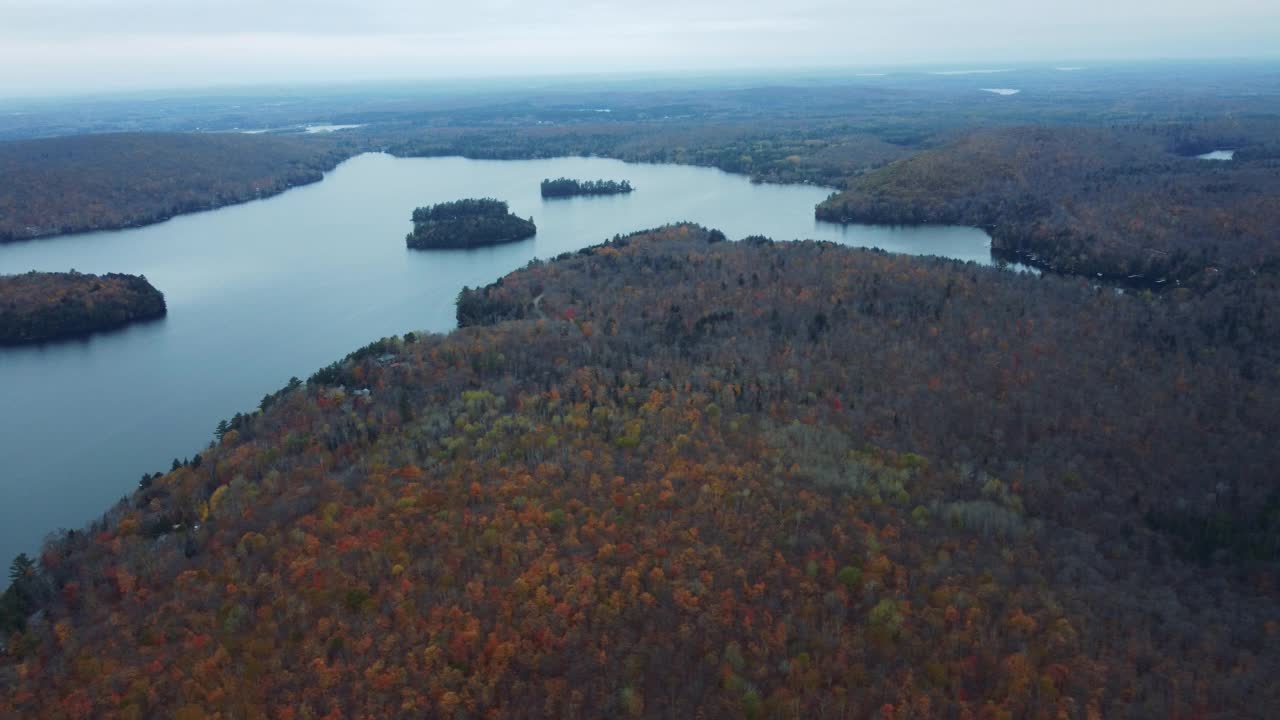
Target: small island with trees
[[466, 224], [566, 187], [39, 306]]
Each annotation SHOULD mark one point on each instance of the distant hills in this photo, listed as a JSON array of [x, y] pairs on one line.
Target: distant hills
[[100, 182]]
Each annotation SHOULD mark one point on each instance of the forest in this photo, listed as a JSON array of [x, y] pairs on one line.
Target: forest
[[467, 223], [566, 187], [83, 183], [39, 306], [803, 479], [1116, 201]]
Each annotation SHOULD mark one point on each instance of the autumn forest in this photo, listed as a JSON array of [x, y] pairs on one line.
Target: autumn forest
[[678, 474], [807, 480], [45, 306]]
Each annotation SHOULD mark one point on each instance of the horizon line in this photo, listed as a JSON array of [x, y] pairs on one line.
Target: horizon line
[[855, 72]]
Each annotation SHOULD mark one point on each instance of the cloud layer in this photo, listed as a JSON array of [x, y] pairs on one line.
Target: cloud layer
[[74, 45]]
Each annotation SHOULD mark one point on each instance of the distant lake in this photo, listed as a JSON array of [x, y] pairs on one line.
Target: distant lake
[[276, 288], [314, 129]]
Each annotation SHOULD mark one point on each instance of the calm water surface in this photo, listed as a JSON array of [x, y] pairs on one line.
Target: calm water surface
[[261, 292]]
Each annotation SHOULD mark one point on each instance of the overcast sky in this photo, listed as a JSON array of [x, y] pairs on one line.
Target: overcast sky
[[53, 46]]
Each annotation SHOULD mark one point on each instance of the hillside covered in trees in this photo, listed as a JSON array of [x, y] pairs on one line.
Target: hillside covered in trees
[[100, 182], [1090, 200], [466, 224], [567, 187], [38, 306], [669, 476]]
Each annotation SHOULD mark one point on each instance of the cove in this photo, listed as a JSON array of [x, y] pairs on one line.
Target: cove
[[260, 292]]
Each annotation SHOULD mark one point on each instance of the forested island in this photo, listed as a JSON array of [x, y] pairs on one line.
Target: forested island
[[39, 306], [82, 183], [466, 224], [805, 479], [566, 187], [1093, 174]]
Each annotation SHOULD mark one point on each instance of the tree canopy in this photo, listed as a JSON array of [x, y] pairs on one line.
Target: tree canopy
[[39, 306], [566, 187], [671, 477], [107, 181], [467, 223]]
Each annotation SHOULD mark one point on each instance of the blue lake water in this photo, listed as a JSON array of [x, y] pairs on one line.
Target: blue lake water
[[271, 289]]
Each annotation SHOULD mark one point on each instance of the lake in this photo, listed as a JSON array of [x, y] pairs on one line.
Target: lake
[[275, 288]]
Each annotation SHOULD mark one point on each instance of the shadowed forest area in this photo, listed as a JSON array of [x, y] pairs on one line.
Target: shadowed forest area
[[807, 480], [1120, 201], [566, 187], [467, 223], [45, 306], [81, 183]]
